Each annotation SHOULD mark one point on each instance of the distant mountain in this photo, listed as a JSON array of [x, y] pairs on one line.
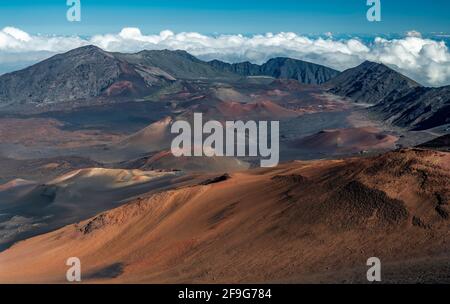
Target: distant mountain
[[179, 64], [420, 108], [396, 98], [243, 68], [78, 74], [90, 72], [282, 68], [370, 83]]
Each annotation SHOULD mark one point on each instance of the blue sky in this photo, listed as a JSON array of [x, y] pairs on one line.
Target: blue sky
[[229, 17], [413, 36]]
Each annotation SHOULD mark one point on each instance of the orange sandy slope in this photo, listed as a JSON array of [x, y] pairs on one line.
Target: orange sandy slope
[[313, 221]]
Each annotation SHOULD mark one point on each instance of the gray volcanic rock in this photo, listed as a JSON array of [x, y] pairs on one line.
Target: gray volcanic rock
[[396, 98], [242, 68], [179, 64], [370, 83], [282, 68], [420, 108], [89, 72], [82, 73]]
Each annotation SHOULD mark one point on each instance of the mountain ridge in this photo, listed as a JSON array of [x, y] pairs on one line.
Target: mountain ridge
[[81, 73], [420, 108], [90, 72], [89, 75], [370, 82], [281, 67], [394, 97]]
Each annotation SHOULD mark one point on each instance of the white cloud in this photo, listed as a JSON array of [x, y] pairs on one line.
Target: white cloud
[[414, 33], [425, 60]]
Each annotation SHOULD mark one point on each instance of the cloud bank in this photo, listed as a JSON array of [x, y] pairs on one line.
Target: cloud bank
[[424, 60]]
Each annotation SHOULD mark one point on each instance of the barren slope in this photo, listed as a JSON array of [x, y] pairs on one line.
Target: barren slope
[[28, 209], [350, 140], [300, 222]]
